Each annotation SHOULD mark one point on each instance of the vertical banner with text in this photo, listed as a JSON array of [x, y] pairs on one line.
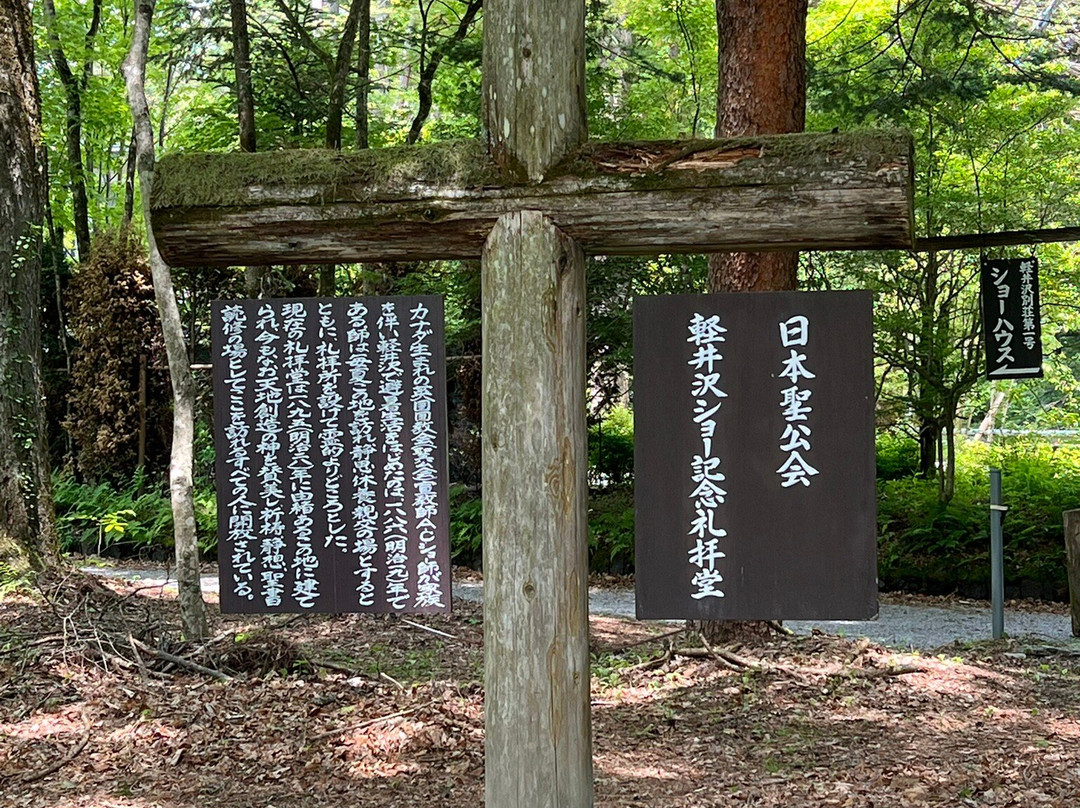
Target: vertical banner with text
[[330, 439], [1011, 318], [754, 456]]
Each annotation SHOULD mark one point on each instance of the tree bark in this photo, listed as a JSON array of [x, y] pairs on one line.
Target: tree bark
[[363, 74], [27, 531], [245, 98], [999, 405], [73, 91], [441, 201], [192, 608], [761, 51], [430, 66], [340, 78]]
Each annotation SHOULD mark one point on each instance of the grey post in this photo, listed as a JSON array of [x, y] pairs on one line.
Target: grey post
[[997, 553]]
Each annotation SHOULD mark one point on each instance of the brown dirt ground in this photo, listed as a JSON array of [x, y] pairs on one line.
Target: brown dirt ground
[[368, 711]]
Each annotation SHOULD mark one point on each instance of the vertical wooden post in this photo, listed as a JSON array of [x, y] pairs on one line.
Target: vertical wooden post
[[536, 661], [142, 410], [538, 750], [1072, 563]]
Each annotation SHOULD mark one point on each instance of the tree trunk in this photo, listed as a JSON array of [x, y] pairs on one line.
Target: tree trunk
[[363, 71], [431, 66], [73, 90], [999, 405], [340, 78], [129, 181], [761, 49], [245, 98], [192, 608], [27, 532]]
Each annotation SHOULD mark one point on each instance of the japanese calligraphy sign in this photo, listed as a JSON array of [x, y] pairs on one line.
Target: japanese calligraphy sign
[[1010, 294], [754, 456], [330, 435]]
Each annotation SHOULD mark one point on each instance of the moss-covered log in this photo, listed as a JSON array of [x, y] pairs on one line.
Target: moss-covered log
[[805, 191]]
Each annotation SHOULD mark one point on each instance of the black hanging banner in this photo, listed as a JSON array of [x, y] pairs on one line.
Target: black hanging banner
[[754, 456], [330, 436], [1011, 320]]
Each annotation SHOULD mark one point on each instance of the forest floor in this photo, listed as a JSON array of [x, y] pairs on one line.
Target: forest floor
[[102, 706]]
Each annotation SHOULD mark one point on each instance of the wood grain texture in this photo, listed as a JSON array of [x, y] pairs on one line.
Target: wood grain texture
[[536, 652], [1072, 564], [813, 191], [534, 82]]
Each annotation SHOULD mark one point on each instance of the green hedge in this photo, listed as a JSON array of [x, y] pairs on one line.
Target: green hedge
[[924, 546]]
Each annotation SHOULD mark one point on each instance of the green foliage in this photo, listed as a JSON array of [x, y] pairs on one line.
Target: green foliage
[[925, 545], [133, 519], [611, 448], [466, 527], [103, 519], [897, 456], [611, 530]]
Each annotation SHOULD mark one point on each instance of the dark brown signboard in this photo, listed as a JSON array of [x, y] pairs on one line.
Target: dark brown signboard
[[754, 456], [1011, 318], [330, 435]]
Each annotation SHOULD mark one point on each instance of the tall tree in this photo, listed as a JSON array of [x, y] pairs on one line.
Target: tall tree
[[192, 608], [74, 89], [27, 532], [363, 74], [761, 91], [245, 98]]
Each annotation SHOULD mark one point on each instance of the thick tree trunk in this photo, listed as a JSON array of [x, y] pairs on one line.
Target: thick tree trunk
[[245, 98], [762, 90], [27, 533], [761, 51], [363, 73], [441, 201], [192, 608]]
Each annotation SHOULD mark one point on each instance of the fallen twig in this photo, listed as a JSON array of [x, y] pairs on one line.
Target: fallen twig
[[428, 628], [181, 662], [647, 640]]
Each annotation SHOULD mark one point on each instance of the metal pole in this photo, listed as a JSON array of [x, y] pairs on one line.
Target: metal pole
[[997, 553]]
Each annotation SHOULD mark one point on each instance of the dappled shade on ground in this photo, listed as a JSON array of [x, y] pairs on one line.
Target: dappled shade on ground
[[368, 711]]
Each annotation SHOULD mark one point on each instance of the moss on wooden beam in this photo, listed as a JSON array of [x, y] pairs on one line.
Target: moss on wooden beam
[[786, 191]]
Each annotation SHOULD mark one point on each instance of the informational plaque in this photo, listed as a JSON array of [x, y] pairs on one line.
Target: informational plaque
[[1011, 318], [330, 435], [754, 456]]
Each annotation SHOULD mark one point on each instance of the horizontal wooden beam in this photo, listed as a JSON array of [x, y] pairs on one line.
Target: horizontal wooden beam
[[1003, 238], [804, 191]]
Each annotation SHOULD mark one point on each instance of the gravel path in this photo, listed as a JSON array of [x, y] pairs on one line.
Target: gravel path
[[898, 626]]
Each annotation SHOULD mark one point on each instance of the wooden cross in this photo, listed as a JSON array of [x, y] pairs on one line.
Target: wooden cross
[[532, 202]]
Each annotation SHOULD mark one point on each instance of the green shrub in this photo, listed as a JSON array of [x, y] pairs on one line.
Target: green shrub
[[466, 527], [925, 546], [611, 530], [611, 449], [132, 520], [897, 456]]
